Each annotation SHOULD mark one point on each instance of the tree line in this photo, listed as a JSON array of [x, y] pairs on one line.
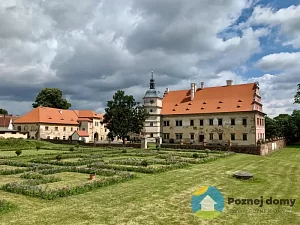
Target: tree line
[[285, 125]]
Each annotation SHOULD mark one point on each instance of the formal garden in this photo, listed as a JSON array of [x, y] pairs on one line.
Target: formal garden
[[44, 183]]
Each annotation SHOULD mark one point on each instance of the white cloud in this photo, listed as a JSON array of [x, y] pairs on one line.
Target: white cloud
[[287, 18]]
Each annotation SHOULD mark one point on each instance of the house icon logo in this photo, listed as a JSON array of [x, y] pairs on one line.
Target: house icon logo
[[207, 202]]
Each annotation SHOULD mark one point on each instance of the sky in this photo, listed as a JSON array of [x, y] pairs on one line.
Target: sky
[[90, 49]]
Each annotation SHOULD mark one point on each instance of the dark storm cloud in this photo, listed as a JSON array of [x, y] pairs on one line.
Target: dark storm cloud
[[90, 49]]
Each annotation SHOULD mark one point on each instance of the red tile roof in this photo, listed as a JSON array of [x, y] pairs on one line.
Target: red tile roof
[[232, 98], [57, 116], [5, 119], [82, 133]]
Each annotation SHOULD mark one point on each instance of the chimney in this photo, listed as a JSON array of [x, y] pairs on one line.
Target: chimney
[[229, 82], [202, 85], [192, 91]]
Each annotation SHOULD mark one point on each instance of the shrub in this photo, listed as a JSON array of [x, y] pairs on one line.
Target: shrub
[[38, 148], [207, 151], [58, 157], [144, 163], [77, 145], [5, 206], [195, 155], [124, 151], [18, 152], [71, 149]]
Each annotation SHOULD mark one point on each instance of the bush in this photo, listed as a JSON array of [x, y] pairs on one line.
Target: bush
[[71, 149], [5, 206], [18, 152], [207, 151], [58, 157], [144, 163], [77, 145], [38, 147], [124, 151], [195, 155]]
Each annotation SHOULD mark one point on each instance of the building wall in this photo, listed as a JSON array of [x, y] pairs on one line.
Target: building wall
[[226, 129], [260, 127], [12, 134], [47, 131], [152, 128], [75, 137]]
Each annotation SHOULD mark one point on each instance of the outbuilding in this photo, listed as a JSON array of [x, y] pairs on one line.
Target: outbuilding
[[80, 135]]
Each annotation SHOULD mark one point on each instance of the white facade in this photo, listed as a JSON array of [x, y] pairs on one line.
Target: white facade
[[153, 105], [76, 137]]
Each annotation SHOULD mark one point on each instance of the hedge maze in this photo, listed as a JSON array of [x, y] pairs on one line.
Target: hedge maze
[[64, 173]]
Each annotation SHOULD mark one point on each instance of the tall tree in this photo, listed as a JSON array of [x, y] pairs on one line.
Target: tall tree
[[3, 111], [124, 115], [271, 128], [297, 95], [51, 97]]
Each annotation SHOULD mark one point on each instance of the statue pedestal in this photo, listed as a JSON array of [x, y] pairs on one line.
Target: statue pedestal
[[144, 144]]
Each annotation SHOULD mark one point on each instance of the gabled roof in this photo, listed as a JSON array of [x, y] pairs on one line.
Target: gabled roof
[[57, 116], [49, 115], [232, 98], [208, 200], [81, 133]]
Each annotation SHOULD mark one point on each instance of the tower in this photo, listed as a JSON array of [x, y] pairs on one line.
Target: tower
[[153, 105]]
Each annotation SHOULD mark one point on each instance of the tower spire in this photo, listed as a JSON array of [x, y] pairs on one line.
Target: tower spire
[[152, 81]]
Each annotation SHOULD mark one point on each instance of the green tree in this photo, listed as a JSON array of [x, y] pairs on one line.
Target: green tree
[[124, 115], [51, 97], [297, 95], [271, 128], [3, 111]]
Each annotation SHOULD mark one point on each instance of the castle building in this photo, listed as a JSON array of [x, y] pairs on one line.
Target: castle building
[[215, 115], [52, 123]]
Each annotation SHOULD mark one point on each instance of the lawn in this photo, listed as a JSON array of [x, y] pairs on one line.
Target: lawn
[[165, 198]]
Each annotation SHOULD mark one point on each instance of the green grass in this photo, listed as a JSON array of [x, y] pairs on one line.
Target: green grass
[[165, 198]]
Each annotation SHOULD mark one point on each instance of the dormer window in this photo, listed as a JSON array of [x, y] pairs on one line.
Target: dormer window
[[187, 109], [174, 110], [190, 103], [240, 100], [219, 107], [239, 106], [204, 103], [176, 104], [202, 108], [220, 101]]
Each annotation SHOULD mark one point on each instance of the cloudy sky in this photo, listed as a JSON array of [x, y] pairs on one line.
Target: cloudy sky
[[91, 48]]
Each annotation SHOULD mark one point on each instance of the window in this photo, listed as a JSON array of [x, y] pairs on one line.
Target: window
[[232, 122], [244, 121], [211, 136], [32, 128], [245, 137], [221, 136], [151, 134], [64, 137], [151, 110], [263, 122], [56, 128], [192, 136], [201, 122], [83, 129], [166, 136], [220, 122], [64, 128], [105, 130], [211, 122], [46, 128], [257, 121], [19, 128], [178, 136], [48, 137], [191, 122], [178, 123], [151, 124], [233, 137], [166, 123], [71, 128]]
